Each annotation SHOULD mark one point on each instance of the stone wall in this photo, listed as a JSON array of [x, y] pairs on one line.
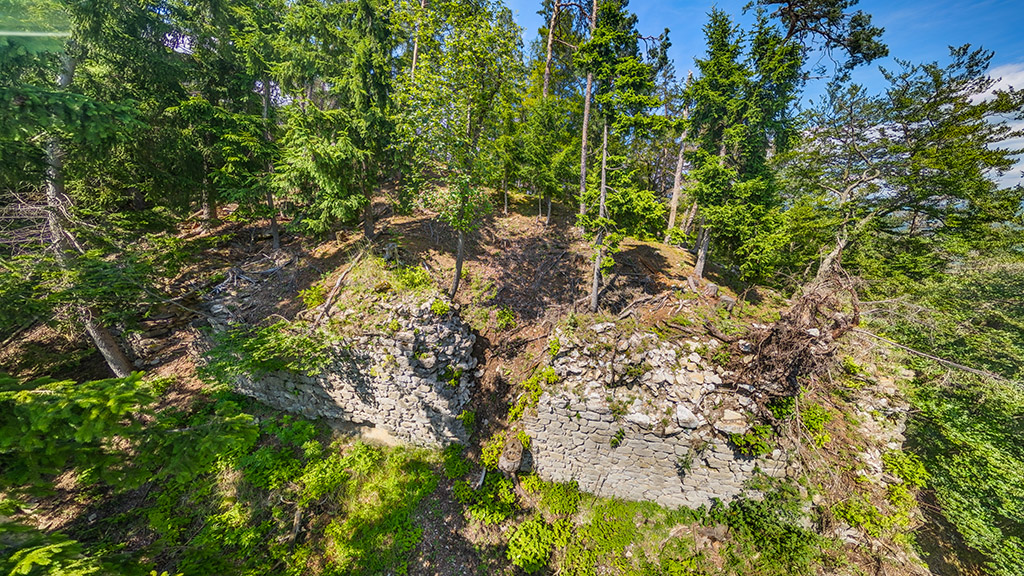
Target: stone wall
[[412, 381], [641, 419]]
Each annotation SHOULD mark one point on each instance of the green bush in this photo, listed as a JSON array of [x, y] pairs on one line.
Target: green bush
[[907, 467], [506, 318], [411, 278], [439, 307], [554, 346], [814, 418], [532, 390], [783, 408], [468, 418], [490, 452], [313, 296], [455, 464], [495, 501], [755, 442], [530, 545], [617, 439]]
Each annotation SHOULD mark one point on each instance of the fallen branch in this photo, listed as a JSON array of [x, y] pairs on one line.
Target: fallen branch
[[334, 292], [943, 361]]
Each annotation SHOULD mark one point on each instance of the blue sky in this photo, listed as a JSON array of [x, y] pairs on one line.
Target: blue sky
[[915, 30]]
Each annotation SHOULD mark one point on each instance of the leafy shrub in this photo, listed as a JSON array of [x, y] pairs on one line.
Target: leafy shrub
[[531, 483], [495, 501], [490, 452], [524, 439], [254, 351], [767, 537], [531, 392], [783, 407], [468, 418], [411, 278], [562, 498], [907, 467], [439, 307], [269, 468], [554, 346], [859, 512], [814, 418], [455, 464], [755, 442], [313, 296], [530, 545], [506, 318]]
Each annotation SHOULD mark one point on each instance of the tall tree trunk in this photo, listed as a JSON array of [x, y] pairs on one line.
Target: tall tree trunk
[[586, 118], [369, 224], [458, 264], [688, 224], [62, 240], [596, 283], [703, 243], [547, 220], [416, 41], [551, 40], [583, 143], [275, 233], [677, 186], [504, 189]]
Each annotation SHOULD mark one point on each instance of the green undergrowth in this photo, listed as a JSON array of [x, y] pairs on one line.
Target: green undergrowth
[[354, 503], [967, 434], [581, 535]]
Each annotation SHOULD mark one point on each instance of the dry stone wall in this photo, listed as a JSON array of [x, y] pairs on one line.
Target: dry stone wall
[[637, 418], [413, 381]]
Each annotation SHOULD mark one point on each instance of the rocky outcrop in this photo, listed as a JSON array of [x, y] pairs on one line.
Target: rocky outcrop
[[638, 418], [414, 380]]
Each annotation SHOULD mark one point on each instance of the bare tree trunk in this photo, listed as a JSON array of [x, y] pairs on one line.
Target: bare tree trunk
[[551, 40], [586, 118], [458, 265], [62, 240], [583, 143], [676, 189], [369, 224], [703, 242], [275, 233], [504, 189], [688, 225], [209, 202], [596, 284], [548, 219], [416, 41]]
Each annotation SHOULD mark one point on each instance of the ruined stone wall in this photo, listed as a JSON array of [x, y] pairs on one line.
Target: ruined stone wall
[[413, 381], [637, 418]]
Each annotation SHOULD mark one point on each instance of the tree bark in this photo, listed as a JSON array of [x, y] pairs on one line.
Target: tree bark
[[596, 283], [416, 41], [703, 242], [676, 189], [688, 224], [504, 189], [369, 224], [583, 143], [275, 233], [62, 240], [458, 264], [551, 40], [586, 118]]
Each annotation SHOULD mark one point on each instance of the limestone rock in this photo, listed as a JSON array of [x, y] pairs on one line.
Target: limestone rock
[[685, 417]]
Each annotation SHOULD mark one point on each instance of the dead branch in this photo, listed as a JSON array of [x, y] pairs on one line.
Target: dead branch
[[334, 292]]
